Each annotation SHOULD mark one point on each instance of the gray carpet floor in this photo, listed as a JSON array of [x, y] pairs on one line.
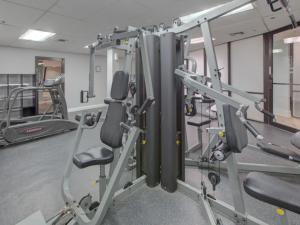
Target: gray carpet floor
[[31, 173]]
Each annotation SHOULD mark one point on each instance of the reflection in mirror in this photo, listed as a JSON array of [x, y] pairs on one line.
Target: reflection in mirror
[[47, 68]]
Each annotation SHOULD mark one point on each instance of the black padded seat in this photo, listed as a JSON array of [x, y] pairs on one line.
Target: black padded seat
[[92, 157], [273, 190], [280, 151], [199, 124], [296, 140]]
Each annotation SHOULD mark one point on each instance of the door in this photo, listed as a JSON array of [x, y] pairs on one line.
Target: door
[[286, 78]]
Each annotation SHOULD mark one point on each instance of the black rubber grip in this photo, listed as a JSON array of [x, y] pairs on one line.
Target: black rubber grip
[[98, 116], [252, 129], [269, 114], [78, 118]]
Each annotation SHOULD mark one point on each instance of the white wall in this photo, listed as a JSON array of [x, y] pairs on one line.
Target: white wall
[[222, 59], [247, 70], [22, 61], [199, 57]]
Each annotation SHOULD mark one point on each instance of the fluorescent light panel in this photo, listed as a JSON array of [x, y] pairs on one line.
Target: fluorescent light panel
[[198, 40], [292, 40], [36, 35], [193, 16], [276, 51]]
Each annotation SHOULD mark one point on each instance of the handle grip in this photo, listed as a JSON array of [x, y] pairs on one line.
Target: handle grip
[[269, 114], [253, 130], [78, 118], [98, 116], [125, 126], [145, 106]]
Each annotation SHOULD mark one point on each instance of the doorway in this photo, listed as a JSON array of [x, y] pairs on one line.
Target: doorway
[[284, 83]]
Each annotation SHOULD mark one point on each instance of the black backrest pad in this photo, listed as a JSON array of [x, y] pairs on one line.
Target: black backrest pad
[[119, 87], [236, 133], [111, 131]]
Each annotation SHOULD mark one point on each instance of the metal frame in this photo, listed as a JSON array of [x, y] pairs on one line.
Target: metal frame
[[238, 212], [110, 194]]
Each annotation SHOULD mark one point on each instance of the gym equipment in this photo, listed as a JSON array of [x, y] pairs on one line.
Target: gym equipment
[[164, 123], [116, 128], [224, 137], [199, 145], [87, 211], [29, 128]]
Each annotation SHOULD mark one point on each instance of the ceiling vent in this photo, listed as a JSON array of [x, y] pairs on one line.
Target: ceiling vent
[[237, 34], [61, 40]]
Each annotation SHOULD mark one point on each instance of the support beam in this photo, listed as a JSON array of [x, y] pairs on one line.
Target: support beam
[[110, 70]]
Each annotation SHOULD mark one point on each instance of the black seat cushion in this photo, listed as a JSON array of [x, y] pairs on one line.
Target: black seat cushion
[[111, 132], [296, 140], [93, 156], [273, 190], [279, 151], [119, 87]]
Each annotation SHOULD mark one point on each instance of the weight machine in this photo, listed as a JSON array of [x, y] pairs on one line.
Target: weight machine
[[160, 114]]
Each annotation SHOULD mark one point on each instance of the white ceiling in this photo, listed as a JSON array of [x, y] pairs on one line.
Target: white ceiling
[[79, 21]]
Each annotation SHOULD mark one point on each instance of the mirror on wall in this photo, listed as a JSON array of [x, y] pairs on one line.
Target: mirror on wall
[[47, 68]]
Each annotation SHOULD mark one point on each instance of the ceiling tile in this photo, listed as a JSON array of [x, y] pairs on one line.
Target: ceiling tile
[[37, 4], [18, 15], [9, 34], [249, 27], [65, 25], [273, 23]]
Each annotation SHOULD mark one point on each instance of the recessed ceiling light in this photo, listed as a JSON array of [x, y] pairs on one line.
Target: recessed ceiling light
[[36, 35], [190, 17], [62, 40], [86, 46], [276, 51], [198, 40], [292, 40], [237, 33]]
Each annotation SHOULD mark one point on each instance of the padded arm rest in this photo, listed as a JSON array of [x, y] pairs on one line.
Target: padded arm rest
[[273, 190], [197, 124], [279, 151]]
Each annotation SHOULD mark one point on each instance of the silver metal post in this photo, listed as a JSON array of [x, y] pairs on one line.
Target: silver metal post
[[91, 93], [102, 182]]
